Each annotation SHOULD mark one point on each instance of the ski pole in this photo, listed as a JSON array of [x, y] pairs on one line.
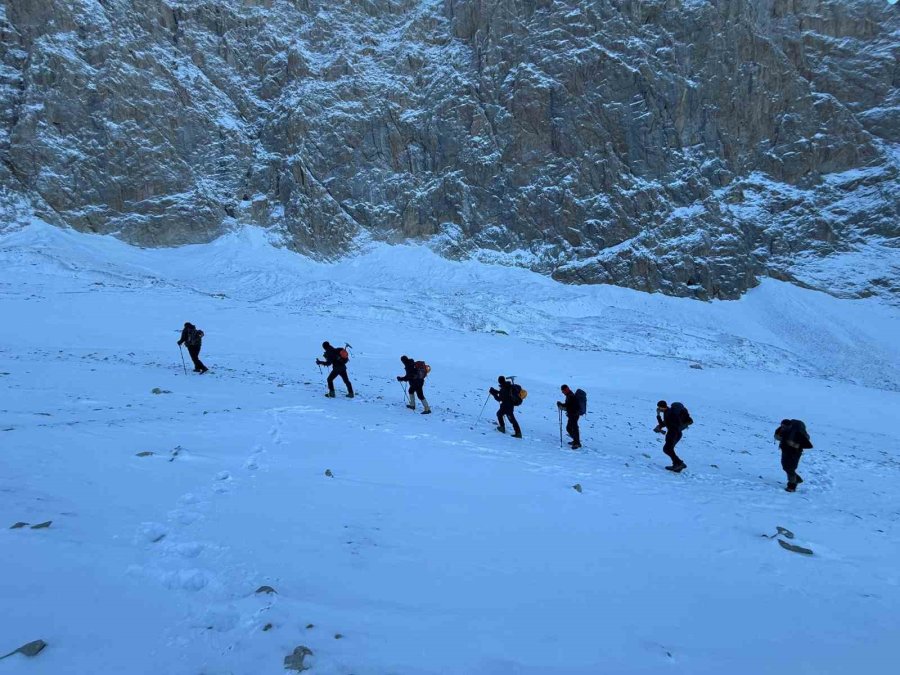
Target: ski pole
[[183, 365], [403, 387], [483, 407]]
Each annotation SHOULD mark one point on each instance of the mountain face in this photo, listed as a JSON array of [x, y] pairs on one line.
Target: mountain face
[[687, 147]]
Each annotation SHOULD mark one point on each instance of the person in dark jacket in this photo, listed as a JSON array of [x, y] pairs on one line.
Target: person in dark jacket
[[504, 397], [793, 440], [416, 381], [332, 357], [670, 420], [192, 338], [573, 412]]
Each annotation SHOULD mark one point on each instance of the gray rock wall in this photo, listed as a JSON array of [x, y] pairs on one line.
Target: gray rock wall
[[685, 147]]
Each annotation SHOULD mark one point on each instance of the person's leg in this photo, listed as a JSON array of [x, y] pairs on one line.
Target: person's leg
[[194, 353], [512, 418], [501, 424], [790, 459], [572, 430], [331, 378], [347, 383], [672, 439]]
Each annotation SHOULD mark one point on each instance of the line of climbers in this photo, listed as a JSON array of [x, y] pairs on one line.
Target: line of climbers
[[672, 420]]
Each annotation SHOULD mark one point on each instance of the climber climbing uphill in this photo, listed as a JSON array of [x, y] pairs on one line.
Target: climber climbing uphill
[[793, 439], [674, 419], [337, 359], [416, 372], [192, 338], [509, 396], [574, 410]]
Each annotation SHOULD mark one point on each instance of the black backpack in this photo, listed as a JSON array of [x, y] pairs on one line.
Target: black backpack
[[797, 436], [581, 397], [194, 336], [682, 414]]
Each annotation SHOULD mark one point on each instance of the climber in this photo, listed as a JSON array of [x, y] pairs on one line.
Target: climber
[[337, 359], [506, 396], [416, 372], [573, 412], [192, 338]]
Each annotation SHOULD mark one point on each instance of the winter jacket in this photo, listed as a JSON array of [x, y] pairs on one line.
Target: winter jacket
[[333, 358], [190, 336], [412, 373], [571, 406]]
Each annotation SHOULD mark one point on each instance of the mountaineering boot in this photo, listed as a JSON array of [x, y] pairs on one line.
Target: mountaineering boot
[[677, 468], [501, 429], [791, 487], [412, 401], [797, 479], [427, 407], [330, 394], [349, 394], [517, 434], [575, 446]]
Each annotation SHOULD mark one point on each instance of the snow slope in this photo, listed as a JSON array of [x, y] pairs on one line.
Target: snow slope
[[438, 546]]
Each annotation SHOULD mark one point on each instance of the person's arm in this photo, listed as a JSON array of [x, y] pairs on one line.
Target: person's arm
[[494, 393], [183, 337]]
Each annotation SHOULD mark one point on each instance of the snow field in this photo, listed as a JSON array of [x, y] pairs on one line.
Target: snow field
[[437, 545]]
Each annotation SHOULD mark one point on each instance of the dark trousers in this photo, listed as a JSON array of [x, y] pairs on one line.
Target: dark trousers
[[672, 438], [509, 412], [416, 387], [790, 460], [339, 374], [572, 429], [194, 351]]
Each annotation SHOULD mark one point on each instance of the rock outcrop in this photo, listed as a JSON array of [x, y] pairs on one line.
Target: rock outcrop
[[687, 147]]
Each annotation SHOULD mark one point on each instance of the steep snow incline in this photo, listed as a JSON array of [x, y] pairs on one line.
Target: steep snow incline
[[438, 545]]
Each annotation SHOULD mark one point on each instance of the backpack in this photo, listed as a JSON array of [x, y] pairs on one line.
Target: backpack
[[581, 397], [422, 369], [684, 417], [797, 435], [517, 394], [344, 354], [194, 337]]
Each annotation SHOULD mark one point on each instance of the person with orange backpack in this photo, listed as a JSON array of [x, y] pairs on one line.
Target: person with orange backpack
[[416, 372], [508, 396], [337, 358]]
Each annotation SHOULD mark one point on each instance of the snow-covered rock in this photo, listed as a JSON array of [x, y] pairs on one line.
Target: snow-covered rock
[[688, 147]]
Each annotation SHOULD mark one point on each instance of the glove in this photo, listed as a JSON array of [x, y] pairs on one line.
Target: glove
[[560, 405], [492, 391], [319, 363], [658, 429], [399, 379]]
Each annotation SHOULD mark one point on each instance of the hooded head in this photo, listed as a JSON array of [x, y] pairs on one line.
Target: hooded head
[[662, 405], [404, 358], [785, 423], [188, 324], [326, 345], [501, 380], [565, 389]]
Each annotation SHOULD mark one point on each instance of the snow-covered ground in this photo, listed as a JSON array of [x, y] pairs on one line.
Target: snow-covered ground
[[438, 545]]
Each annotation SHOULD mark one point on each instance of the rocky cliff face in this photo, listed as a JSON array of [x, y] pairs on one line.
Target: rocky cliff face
[[682, 146]]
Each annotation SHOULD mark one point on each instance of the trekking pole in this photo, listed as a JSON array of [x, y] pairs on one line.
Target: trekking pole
[[403, 387], [483, 407], [560, 426], [183, 365]]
